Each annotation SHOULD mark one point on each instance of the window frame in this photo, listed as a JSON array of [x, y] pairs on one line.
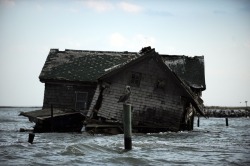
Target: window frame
[[79, 101], [135, 79]]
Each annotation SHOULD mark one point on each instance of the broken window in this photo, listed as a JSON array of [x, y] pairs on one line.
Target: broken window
[[135, 79], [81, 100]]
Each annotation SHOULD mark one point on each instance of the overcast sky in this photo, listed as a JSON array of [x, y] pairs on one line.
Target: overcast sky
[[217, 29]]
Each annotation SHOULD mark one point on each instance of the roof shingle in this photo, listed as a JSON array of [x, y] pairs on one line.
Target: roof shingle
[[78, 65]]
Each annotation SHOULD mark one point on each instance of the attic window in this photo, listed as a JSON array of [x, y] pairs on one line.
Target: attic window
[[135, 79], [160, 84]]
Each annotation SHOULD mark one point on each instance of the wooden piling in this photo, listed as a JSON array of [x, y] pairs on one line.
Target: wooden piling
[[226, 121], [51, 119], [127, 126], [198, 122], [31, 138]]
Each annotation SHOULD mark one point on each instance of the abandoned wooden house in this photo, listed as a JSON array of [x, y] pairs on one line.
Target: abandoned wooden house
[[165, 92], [164, 88]]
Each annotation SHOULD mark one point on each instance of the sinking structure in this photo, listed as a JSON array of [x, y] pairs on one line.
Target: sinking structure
[[165, 89]]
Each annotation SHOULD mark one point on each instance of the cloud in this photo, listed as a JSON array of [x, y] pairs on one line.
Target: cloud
[[129, 7], [99, 5], [104, 6], [8, 2], [157, 13], [143, 40], [117, 40], [136, 42]]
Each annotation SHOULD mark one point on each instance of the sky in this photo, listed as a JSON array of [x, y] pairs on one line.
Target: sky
[[217, 29]]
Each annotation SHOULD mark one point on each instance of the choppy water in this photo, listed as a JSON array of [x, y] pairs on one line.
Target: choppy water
[[211, 144]]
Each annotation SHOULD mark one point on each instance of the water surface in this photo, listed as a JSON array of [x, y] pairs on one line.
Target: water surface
[[210, 144]]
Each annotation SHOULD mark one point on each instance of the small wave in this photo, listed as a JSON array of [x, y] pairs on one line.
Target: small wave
[[126, 160], [13, 144], [4, 120], [73, 150]]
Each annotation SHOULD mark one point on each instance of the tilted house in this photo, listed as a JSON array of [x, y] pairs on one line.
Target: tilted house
[[165, 91]]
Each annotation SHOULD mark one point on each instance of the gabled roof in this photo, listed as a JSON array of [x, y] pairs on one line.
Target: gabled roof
[[122, 66], [88, 66], [157, 58], [80, 65]]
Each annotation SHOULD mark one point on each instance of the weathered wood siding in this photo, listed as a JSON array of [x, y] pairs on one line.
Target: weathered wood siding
[[151, 105], [63, 95], [94, 100]]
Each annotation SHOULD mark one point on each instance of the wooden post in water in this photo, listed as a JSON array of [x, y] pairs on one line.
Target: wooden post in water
[[127, 126], [51, 119], [198, 122], [31, 137], [226, 121]]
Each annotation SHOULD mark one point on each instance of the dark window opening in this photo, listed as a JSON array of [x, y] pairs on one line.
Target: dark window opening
[[160, 84], [135, 79], [81, 100]]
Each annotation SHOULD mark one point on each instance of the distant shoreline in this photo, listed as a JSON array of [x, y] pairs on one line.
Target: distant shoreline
[[20, 106], [216, 111], [226, 107]]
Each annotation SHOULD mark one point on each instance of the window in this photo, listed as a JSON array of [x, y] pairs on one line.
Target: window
[[160, 84], [81, 100], [135, 79]]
